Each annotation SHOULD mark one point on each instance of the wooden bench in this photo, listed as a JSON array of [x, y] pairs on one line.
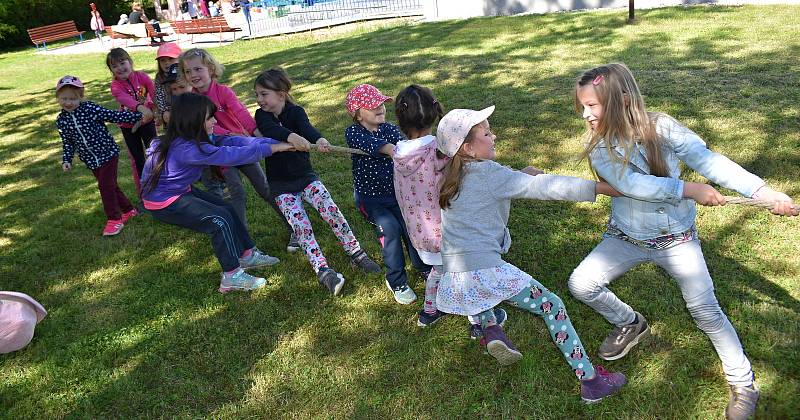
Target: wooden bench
[[151, 33], [54, 32], [214, 25]]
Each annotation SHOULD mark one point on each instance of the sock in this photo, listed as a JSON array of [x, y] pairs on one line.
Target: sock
[[247, 253]]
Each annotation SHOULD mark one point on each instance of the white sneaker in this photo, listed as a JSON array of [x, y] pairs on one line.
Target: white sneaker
[[404, 295]]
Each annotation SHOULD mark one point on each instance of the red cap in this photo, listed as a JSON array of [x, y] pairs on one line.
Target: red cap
[[169, 49], [365, 96]]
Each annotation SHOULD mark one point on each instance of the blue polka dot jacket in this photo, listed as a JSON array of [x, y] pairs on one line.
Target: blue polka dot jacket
[[373, 175], [84, 131]]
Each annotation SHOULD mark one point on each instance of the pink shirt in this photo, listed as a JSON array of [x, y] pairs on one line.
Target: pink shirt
[[417, 178], [137, 90], [232, 117]]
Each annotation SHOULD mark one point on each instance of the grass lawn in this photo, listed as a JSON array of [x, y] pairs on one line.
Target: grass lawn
[[137, 329]]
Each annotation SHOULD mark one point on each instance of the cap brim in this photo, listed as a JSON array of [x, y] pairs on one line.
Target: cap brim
[[483, 114], [22, 297]]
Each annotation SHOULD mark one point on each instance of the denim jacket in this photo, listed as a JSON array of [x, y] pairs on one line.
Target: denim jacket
[[654, 206]]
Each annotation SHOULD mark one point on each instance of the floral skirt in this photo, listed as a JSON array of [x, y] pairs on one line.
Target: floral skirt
[[472, 292]]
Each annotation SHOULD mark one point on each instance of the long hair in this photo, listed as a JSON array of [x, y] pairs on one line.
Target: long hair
[[417, 109], [187, 121], [277, 80], [454, 171], [215, 69], [625, 119]]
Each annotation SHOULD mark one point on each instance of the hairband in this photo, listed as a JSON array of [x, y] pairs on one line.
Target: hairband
[[597, 80]]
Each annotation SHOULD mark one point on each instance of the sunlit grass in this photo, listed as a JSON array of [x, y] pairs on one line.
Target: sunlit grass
[[137, 329]]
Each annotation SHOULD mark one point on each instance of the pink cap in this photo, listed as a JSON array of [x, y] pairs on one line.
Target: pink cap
[[169, 49], [365, 96], [68, 81]]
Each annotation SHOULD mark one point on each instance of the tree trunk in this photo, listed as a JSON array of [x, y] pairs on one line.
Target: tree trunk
[[631, 11], [157, 7]]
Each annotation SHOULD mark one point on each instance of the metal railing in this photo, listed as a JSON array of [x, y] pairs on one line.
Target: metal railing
[[273, 17]]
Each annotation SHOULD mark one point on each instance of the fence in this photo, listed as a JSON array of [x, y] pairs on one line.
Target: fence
[[273, 17]]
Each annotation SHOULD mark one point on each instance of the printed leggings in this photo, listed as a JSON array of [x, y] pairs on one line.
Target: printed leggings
[[318, 196], [539, 300]]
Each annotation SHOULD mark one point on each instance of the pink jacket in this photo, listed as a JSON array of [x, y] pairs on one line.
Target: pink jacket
[[232, 117], [417, 178], [137, 90]]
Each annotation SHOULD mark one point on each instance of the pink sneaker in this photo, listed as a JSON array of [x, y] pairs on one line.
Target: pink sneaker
[[113, 227], [127, 215]]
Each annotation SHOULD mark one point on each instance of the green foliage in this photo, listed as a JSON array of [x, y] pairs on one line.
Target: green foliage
[[19, 15], [137, 329]]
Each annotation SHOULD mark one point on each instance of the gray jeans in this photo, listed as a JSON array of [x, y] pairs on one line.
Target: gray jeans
[[256, 175], [685, 263]]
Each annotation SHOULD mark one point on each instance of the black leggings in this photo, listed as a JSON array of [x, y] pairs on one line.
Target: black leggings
[[137, 143]]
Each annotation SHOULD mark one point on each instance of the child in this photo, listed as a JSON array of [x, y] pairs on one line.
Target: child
[[418, 167], [655, 220], [374, 187], [475, 199], [133, 90], [97, 25], [81, 125], [175, 161], [166, 56], [201, 70], [292, 179]]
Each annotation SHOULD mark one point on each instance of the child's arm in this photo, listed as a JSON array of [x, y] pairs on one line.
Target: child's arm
[[361, 139], [632, 183], [107, 115], [127, 100], [68, 149], [507, 183], [233, 151], [268, 127]]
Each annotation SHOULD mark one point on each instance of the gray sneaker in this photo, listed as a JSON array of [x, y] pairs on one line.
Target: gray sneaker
[[332, 280], [362, 261], [403, 294], [742, 404], [622, 339], [257, 259]]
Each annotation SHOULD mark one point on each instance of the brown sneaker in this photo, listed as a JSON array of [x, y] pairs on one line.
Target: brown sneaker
[[742, 404], [622, 339]]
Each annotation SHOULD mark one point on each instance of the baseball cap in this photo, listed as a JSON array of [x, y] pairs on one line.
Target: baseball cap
[[171, 75], [454, 127], [365, 96], [68, 81], [169, 49]]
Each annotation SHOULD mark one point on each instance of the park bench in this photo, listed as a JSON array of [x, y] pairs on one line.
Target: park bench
[[54, 32], [150, 32], [214, 25]]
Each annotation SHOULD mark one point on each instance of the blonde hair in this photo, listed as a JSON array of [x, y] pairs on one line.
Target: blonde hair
[[625, 119], [454, 170], [215, 69]]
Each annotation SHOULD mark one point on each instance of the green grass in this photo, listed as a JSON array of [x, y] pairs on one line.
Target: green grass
[[137, 329]]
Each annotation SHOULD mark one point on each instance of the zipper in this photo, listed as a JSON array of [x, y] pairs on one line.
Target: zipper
[[85, 143]]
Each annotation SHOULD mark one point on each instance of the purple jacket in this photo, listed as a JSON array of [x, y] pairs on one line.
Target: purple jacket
[[186, 161]]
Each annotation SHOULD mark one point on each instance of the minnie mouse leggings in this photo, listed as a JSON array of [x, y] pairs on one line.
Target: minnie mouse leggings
[[318, 196], [540, 301]]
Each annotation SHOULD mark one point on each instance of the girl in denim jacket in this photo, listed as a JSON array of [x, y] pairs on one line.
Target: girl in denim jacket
[[655, 219]]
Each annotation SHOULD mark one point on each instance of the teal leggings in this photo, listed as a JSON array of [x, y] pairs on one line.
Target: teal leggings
[[540, 301]]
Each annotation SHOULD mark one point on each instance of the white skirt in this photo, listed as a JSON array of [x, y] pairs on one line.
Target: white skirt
[[472, 292]]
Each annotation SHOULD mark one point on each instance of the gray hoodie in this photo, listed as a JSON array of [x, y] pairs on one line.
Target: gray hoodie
[[474, 232]]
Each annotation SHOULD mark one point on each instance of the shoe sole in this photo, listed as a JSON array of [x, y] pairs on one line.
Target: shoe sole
[[292, 248], [338, 287], [504, 354], [635, 341], [423, 325]]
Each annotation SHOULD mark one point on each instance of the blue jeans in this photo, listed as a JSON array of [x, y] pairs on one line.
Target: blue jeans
[[685, 264], [385, 214]]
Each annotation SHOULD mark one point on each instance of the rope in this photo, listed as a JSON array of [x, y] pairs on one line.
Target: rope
[[340, 149], [769, 205]]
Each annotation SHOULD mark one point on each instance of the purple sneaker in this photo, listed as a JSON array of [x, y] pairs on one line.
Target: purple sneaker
[[602, 385], [499, 346]]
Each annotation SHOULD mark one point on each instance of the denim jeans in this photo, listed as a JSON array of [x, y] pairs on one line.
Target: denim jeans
[[205, 213], [385, 214], [686, 264]]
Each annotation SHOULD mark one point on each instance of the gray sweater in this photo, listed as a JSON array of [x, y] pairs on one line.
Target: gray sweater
[[474, 232]]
